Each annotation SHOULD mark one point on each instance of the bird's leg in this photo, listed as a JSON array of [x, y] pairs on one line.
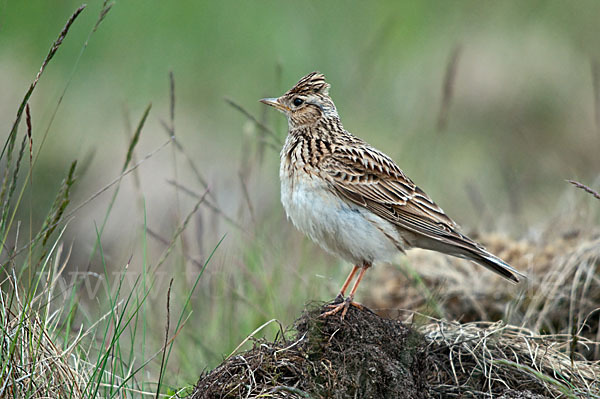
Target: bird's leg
[[349, 300], [340, 296]]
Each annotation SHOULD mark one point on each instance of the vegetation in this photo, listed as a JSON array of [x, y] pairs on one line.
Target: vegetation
[[132, 263]]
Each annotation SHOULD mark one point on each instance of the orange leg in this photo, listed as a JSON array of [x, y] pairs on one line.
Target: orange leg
[[348, 301], [360, 276], [347, 282]]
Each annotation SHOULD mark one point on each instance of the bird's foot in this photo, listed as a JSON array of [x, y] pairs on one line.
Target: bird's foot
[[341, 307]]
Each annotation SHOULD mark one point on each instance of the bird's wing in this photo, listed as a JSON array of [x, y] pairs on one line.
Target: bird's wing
[[365, 176]]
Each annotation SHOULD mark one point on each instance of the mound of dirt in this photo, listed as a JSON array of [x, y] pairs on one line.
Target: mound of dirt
[[366, 356]]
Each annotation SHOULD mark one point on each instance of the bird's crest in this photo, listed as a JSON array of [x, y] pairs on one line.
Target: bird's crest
[[314, 82]]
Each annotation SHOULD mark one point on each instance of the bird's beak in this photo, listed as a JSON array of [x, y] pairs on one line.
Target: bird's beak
[[275, 104]]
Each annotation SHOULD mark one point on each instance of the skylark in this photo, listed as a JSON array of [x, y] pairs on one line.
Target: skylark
[[353, 200]]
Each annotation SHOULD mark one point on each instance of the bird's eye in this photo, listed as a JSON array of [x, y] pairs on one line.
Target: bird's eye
[[298, 101]]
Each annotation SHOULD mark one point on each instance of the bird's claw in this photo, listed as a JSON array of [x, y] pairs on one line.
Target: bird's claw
[[342, 306]]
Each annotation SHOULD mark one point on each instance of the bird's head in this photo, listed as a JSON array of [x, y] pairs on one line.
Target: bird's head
[[306, 103]]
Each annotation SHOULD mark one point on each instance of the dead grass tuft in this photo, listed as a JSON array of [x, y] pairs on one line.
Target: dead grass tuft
[[34, 365], [486, 360], [560, 296]]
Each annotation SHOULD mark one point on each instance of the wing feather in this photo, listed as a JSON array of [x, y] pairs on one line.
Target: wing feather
[[369, 178]]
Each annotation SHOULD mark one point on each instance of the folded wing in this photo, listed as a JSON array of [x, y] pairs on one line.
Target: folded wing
[[366, 177]]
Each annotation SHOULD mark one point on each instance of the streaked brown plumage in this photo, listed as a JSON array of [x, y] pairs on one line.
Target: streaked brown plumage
[[354, 200]]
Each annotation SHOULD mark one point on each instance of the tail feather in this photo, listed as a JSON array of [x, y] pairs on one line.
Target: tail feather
[[497, 265], [464, 247]]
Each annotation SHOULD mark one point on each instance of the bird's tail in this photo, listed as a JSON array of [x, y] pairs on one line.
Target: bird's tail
[[463, 247], [495, 264]]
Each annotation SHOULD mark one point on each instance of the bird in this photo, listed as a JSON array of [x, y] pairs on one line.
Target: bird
[[355, 201]]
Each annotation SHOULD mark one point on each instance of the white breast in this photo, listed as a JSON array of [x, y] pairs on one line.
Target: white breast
[[346, 230]]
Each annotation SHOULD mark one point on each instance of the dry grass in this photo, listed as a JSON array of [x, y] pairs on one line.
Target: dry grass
[[37, 366], [561, 295], [482, 360]]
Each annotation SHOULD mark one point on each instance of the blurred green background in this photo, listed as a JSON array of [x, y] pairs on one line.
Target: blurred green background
[[522, 118]]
